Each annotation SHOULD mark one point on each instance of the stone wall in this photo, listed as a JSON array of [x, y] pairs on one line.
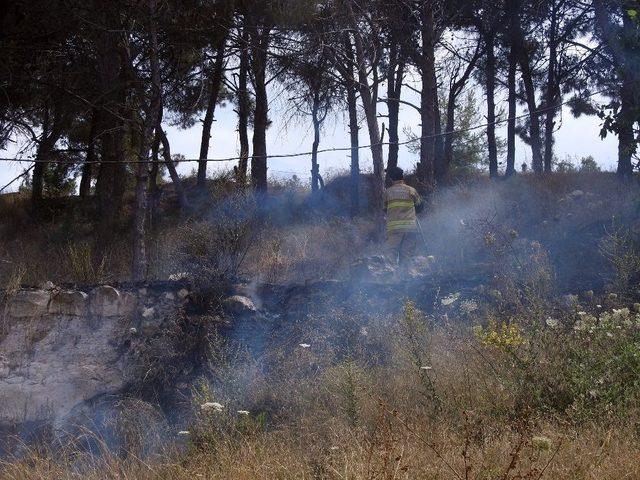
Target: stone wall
[[60, 349]]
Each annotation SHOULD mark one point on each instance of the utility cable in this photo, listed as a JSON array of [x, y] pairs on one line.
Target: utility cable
[[324, 150]]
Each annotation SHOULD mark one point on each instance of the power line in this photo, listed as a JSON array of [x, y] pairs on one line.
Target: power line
[[324, 150], [17, 178]]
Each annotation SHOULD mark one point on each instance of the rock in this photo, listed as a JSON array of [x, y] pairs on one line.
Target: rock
[[48, 285], [72, 303], [127, 304], [148, 312], [29, 303], [104, 301], [49, 369], [238, 304]]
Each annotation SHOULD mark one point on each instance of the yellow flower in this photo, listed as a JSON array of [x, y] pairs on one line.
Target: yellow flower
[[503, 336]]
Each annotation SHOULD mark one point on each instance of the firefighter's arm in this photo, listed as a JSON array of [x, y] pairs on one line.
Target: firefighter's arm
[[417, 201]]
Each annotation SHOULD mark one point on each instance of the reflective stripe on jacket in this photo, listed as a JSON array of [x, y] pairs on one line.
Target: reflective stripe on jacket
[[400, 201]]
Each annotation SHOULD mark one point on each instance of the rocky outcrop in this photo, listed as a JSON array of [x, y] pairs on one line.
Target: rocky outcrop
[[60, 349], [74, 356]]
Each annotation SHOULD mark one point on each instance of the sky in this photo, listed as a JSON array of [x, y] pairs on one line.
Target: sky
[[575, 138]]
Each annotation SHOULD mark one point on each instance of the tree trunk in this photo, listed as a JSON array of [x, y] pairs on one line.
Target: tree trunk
[[511, 122], [628, 76], [552, 91], [626, 139], [451, 122], [112, 174], [139, 267], [438, 140], [87, 168], [155, 166], [530, 93], [455, 89], [369, 100], [354, 127], [315, 168], [491, 106], [42, 159], [173, 173], [394, 90], [428, 98], [215, 83], [260, 38], [243, 109], [51, 133]]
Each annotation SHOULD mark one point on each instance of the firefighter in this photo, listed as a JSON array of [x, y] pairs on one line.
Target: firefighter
[[401, 203]]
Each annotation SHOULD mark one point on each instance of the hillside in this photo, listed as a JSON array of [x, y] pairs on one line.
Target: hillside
[[509, 351]]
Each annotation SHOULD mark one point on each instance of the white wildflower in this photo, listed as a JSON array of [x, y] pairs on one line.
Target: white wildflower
[[304, 345], [133, 330], [334, 448], [184, 433], [426, 367], [620, 314], [211, 406], [243, 412], [551, 322]]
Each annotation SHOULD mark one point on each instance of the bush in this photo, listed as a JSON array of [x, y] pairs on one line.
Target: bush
[[581, 367], [213, 250], [621, 247]]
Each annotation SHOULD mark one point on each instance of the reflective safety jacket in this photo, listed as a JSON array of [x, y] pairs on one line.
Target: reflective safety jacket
[[401, 203]]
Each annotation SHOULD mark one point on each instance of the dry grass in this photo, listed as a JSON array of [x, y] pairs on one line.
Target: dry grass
[[337, 411], [411, 395], [314, 251]]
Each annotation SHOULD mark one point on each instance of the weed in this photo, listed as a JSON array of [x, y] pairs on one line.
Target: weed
[[85, 267]]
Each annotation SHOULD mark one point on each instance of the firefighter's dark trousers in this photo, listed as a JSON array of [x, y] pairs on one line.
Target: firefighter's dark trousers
[[401, 248]]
